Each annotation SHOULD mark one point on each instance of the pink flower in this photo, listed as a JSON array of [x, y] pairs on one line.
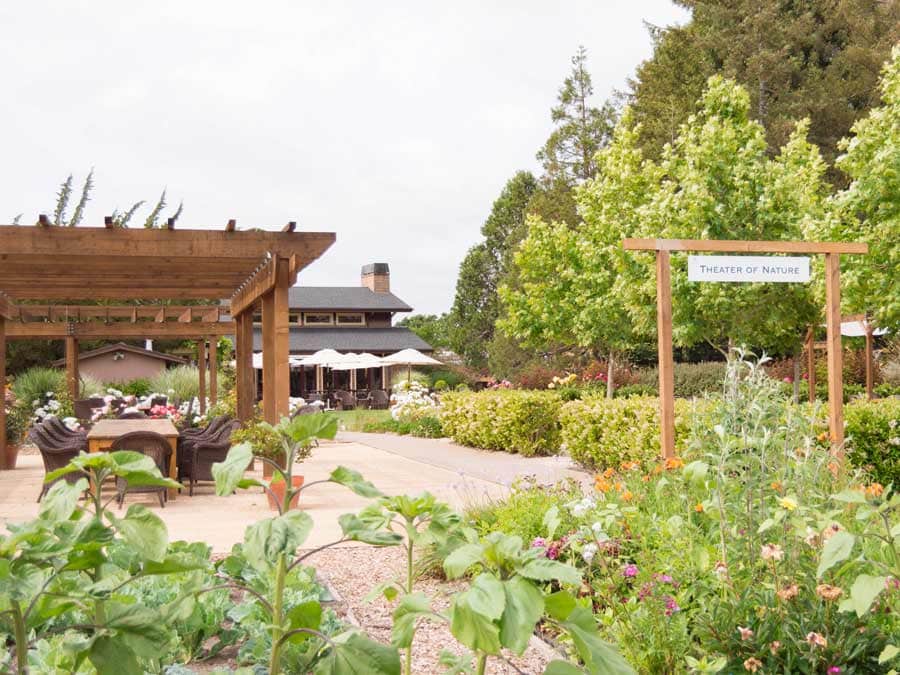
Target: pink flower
[[630, 571], [671, 605], [833, 670], [746, 633], [815, 640], [538, 542]]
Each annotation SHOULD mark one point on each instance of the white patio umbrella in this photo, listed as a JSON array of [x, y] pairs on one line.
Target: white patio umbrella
[[359, 361], [409, 358], [323, 357]]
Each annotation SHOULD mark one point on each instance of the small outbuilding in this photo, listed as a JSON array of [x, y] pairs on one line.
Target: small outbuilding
[[121, 362]]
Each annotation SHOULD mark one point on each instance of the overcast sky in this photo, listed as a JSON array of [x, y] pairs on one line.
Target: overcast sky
[[393, 124]]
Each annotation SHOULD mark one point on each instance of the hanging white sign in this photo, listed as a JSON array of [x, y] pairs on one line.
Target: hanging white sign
[[747, 268]]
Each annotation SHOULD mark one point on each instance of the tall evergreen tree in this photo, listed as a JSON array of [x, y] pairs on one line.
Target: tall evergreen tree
[[581, 129], [818, 59]]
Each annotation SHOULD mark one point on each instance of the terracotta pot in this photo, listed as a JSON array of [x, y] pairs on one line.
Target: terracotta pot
[[8, 461], [268, 469], [278, 489]]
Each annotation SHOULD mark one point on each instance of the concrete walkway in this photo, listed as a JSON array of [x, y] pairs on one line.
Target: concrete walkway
[[496, 467], [395, 464]]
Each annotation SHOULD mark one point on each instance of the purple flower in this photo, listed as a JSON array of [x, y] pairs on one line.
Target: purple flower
[[538, 542], [833, 670], [664, 578], [645, 591], [630, 570], [553, 551], [671, 605]]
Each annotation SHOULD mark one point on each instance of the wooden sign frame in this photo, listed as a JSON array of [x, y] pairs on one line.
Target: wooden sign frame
[[832, 252]]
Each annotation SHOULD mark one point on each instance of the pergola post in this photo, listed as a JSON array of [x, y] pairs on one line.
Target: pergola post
[[835, 357], [811, 363], [213, 370], [870, 346], [72, 366], [666, 357], [276, 347], [201, 366], [3, 392], [244, 375]]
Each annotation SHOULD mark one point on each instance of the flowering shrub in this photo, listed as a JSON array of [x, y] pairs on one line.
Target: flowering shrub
[[411, 402], [560, 382], [763, 554], [513, 421], [169, 411]]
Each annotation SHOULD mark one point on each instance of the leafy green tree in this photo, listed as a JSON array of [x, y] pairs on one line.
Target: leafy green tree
[[432, 328], [869, 209], [818, 59], [476, 307]]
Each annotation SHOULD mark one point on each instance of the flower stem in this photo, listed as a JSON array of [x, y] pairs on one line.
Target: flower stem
[[482, 663], [21, 637]]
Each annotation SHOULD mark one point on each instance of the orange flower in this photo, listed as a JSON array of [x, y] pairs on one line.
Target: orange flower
[[601, 484], [823, 436], [874, 490], [646, 478], [630, 466], [776, 486], [609, 473], [627, 496], [698, 507], [674, 463], [657, 469], [619, 486], [833, 468]]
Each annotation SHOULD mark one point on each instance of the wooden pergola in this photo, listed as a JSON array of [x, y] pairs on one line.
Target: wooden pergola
[[60, 266]]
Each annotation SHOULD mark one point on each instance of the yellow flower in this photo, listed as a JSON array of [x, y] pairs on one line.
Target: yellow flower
[[788, 503], [698, 507]]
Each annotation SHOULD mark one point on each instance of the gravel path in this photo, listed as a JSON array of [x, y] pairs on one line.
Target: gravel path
[[353, 572]]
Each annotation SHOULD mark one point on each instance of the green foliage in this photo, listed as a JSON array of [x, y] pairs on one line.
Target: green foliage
[[423, 427], [580, 129], [873, 438], [868, 210], [523, 511], [182, 383], [600, 432], [691, 379], [432, 328], [34, 383], [137, 387], [815, 59], [475, 306], [525, 422]]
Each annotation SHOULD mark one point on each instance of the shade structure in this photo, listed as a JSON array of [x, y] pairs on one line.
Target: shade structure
[[410, 357], [858, 329], [323, 357], [359, 362]]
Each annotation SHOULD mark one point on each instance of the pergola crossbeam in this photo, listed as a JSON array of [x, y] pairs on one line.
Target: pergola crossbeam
[[58, 330]]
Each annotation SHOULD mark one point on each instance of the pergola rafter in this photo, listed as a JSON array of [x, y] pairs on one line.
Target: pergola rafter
[[63, 264]]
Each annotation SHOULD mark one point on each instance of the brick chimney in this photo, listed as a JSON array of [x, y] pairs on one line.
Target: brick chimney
[[377, 277]]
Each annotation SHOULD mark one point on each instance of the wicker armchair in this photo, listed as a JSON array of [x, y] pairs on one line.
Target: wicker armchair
[[55, 455], [159, 400], [190, 437], [202, 454], [55, 427], [379, 400], [132, 415], [154, 446], [308, 409], [346, 400], [84, 409]]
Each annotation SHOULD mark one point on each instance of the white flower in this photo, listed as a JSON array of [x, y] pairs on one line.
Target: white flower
[[49, 394], [580, 509], [895, 440], [588, 552], [35, 403]]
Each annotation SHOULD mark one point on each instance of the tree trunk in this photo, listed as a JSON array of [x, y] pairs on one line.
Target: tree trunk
[[610, 371]]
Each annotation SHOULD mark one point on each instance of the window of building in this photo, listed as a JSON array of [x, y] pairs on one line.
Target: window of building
[[354, 319], [317, 319], [294, 318]]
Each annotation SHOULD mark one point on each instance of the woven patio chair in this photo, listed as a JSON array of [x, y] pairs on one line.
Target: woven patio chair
[[307, 409], [379, 400], [159, 400], [154, 446], [346, 400], [84, 409], [201, 455], [57, 428], [132, 415], [56, 455]]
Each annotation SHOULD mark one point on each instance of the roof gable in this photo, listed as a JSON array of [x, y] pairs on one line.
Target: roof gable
[[332, 298], [122, 347]]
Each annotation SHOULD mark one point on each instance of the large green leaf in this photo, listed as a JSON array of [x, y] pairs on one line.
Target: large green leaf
[[462, 558], [61, 499], [175, 562], [229, 473], [355, 654], [305, 615], [356, 529], [544, 569], [472, 628], [304, 428], [407, 612], [110, 656], [559, 605], [266, 539], [562, 668], [140, 628], [551, 521], [837, 549], [486, 596], [599, 657], [864, 591], [143, 531], [353, 480], [138, 469], [524, 608]]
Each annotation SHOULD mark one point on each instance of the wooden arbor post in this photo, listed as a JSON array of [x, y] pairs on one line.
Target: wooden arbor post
[[2, 386], [245, 382], [268, 286], [832, 252], [201, 367], [72, 377], [213, 370]]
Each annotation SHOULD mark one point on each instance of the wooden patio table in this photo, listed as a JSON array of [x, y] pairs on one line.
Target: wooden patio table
[[104, 432]]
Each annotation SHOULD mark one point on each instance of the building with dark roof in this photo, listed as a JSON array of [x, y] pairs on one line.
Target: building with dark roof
[[347, 319], [122, 362]]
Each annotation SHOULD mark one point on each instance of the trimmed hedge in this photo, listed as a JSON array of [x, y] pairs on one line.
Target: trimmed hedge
[[873, 438], [526, 422], [600, 433]]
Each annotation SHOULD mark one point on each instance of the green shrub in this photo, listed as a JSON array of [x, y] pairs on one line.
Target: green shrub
[[462, 386], [886, 389], [691, 379], [601, 432], [569, 394], [91, 386], [138, 387], [181, 383], [427, 427], [440, 385], [873, 438], [526, 422], [522, 512], [629, 390], [34, 383]]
